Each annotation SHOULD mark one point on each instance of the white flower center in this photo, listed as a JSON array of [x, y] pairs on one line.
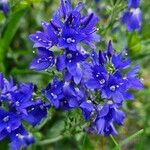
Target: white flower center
[[102, 81], [70, 40], [54, 95], [112, 88], [5, 119]]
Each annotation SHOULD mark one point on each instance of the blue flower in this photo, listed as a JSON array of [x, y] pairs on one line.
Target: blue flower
[[73, 95], [30, 110], [70, 38], [64, 95], [133, 3], [20, 138], [114, 88], [36, 112], [9, 121], [53, 92], [79, 28], [132, 18], [119, 62], [99, 77], [4, 6], [97, 85], [109, 78], [112, 77], [22, 99], [45, 39], [18, 104], [87, 109], [67, 28], [43, 60], [71, 60], [107, 116], [131, 79], [6, 88]]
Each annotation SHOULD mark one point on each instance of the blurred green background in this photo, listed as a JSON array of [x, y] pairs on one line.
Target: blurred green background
[[16, 52]]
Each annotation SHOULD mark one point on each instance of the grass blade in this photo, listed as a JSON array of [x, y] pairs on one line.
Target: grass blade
[[130, 138]]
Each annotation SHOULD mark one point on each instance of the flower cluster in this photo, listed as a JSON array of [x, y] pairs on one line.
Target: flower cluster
[[96, 83], [132, 17], [67, 28], [17, 105], [112, 77], [99, 88]]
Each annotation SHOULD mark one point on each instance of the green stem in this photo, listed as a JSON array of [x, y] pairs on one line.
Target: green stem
[[50, 141], [84, 139], [43, 124], [115, 142]]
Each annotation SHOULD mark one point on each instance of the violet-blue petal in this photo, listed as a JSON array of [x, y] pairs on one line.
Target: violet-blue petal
[[71, 66], [95, 59], [79, 7], [135, 83], [20, 138], [4, 6], [118, 74], [104, 111], [68, 90], [78, 76], [92, 84], [3, 134], [100, 124], [61, 62], [35, 114], [67, 76], [132, 20], [133, 72], [133, 3], [116, 60], [40, 40], [106, 93], [73, 103], [118, 116], [128, 96], [117, 97], [9, 121], [1, 81], [112, 130], [102, 58], [110, 50], [51, 98], [43, 60], [87, 109], [65, 8]]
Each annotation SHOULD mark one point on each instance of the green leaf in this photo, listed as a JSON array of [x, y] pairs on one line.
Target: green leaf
[[2, 18], [8, 34]]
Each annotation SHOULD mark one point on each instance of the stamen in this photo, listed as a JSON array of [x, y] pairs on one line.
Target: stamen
[[112, 88], [5, 119]]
